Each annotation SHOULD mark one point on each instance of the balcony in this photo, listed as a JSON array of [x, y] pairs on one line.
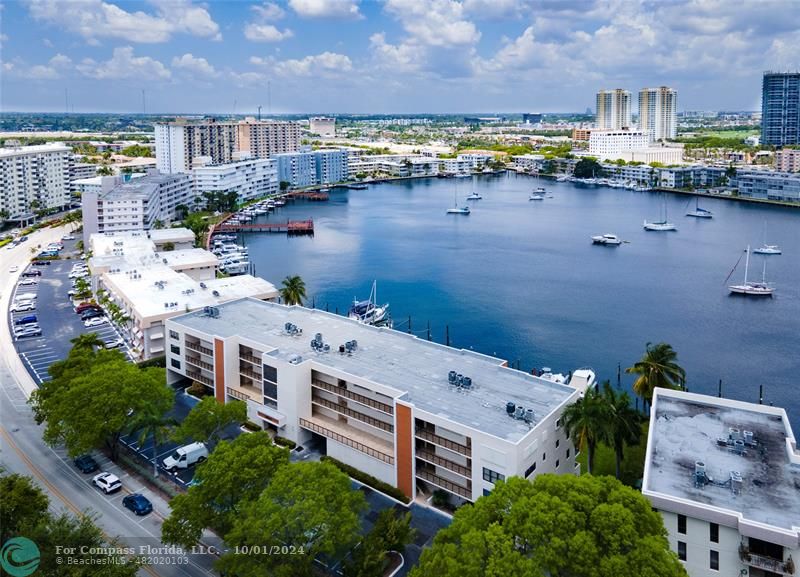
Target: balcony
[[345, 410], [200, 378], [358, 440], [248, 372], [250, 359], [198, 363], [443, 483], [199, 348], [434, 459], [442, 442], [364, 400], [246, 394], [768, 563]]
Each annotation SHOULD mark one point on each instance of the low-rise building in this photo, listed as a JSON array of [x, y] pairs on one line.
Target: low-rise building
[[724, 475], [322, 125], [611, 144], [581, 134], [787, 160], [151, 284], [415, 414], [249, 178], [313, 167], [528, 161], [767, 184], [456, 165]]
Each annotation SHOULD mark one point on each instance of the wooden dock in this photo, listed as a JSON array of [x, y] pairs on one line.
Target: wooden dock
[[291, 227], [309, 195]]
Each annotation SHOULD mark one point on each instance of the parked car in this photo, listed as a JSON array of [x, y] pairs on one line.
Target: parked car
[[186, 456], [107, 482], [26, 320], [94, 322], [113, 344], [79, 274], [28, 282], [32, 272], [14, 268], [137, 503], [68, 237], [86, 464], [41, 263], [27, 331], [90, 314], [85, 306], [23, 306], [24, 297]]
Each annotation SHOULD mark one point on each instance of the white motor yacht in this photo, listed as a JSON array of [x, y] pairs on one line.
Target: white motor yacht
[[607, 239]]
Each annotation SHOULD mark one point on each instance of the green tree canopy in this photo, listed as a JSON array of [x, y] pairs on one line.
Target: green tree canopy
[[658, 367], [309, 506], [293, 290], [559, 525], [207, 419], [21, 503], [235, 474], [586, 423], [588, 168]]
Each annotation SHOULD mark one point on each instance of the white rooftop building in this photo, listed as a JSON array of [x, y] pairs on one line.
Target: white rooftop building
[[248, 177], [725, 476], [34, 178], [631, 145]]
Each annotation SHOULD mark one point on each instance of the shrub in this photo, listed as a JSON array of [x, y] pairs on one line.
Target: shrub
[[284, 442], [198, 389], [154, 362], [251, 426], [366, 479]]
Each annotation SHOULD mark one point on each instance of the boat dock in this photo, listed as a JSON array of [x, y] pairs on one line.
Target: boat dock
[[291, 227], [309, 195]]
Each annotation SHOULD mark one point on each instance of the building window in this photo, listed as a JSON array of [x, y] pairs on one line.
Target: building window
[[176, 364], [486, 492], [530, 470], [174, 335], [713, 561], [567, 453], [558, 442], [682, 524], [492, 476], [270, 374], [681, 550], [176, 350], [544, 456], [271, 390], [713, 532], [557, 461]]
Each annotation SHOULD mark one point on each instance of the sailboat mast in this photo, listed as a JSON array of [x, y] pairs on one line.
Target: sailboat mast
[[746, 264], [764, 273]]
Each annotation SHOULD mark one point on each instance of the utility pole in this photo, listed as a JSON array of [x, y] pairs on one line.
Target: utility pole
[[144, 102], [66, 100], [259, 113]]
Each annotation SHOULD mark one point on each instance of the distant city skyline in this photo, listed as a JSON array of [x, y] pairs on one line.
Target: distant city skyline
[[396, 56]]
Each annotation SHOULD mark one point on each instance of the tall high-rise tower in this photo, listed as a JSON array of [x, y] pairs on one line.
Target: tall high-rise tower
[[658, 112], [613, 109], [780, 108]]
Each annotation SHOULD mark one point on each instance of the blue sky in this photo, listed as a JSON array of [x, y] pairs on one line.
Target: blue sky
[[401, 56]]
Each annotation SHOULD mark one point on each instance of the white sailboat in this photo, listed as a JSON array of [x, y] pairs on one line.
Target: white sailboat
[[457, 209], [750, 288], [368, 311], [767, 248], [662, 224], [699, 212]]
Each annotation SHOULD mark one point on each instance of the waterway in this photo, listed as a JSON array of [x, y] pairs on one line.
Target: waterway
[[521, 280]]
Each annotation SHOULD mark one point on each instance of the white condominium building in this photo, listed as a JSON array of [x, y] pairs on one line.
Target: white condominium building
[[658, 112], [312, 167], [418, 415], [613, 109], [609, 143], [179, 143], [249, 178], [34, 178], [135, 204], [725, 476], [322, 125], [151, 284]]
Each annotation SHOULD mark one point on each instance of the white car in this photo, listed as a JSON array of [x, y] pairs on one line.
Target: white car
[[113, 344], [23, 306], [94, 322], [28, 282], [13, 269], [107, 482], [78, 274], [68, 237]]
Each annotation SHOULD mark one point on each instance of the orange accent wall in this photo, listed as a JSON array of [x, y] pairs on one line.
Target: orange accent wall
[[219, 370], [405, 449]]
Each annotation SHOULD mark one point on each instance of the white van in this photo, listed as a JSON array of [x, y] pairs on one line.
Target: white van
[[186, 456]]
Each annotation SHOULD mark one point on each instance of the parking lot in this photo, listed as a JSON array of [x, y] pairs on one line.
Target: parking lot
[[55, 316]]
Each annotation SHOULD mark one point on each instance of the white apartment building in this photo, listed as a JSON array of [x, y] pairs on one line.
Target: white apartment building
[[658, 112], [787, 160], [457, 165], [178, 143], [613, 109], [528, 161], [34, 178], [725, 476], [631, 145], [135, 204], [415, 414], [249, 178], [322, 125], [478, 160], [151, 284]]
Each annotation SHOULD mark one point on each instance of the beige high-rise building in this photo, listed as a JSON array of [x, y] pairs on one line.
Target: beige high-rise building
[[658, 112], [179, 143], [613, 109]]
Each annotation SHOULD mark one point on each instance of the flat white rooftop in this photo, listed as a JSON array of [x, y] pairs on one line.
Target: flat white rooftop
[[686, 429], [416, 368]]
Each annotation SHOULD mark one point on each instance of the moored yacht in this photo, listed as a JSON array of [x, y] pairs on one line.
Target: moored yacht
[[751, 288], [607, 239], [368, 311]]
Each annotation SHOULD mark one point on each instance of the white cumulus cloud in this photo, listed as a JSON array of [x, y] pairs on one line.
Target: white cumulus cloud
[[345, 9], [265, 33], [123, 64], [194, 65]]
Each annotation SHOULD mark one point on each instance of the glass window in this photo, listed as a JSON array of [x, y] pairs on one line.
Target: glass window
[[713, 532], [682, 524], [174, 335], [271, 390], [558, 442], [714, 560], [176, 364], [270, 374], [681, 550], [567, 453], [492, 476], [175, 349], [530, 470]]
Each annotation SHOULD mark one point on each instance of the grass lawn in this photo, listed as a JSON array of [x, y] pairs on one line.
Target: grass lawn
[[632, 462], [739, 134]]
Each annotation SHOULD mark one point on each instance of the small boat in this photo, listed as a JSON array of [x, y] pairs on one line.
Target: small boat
[[474, 196], [279, 202], [547, 374], [358, 187], [536, 196], [750, 288], [540, 190], [463, 175], [368, 312], [663, 224], [699, 212], [607, 239], [458, 210], [583, 380], [768, 249]]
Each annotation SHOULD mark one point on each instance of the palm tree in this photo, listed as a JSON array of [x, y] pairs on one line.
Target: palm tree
[[86, 341], [150, 424], [623, 423], [586, 423], [658, 368], [293, 291]]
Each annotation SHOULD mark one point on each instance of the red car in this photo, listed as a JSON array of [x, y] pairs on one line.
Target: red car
[[86, 306]]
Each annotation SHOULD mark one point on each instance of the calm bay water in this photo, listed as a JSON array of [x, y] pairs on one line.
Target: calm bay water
[[521, 279]]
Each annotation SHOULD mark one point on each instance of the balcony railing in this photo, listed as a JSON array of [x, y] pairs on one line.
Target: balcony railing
[[364, 400], [386, 458], [198, 363], [442, 442], [344, 410], [199, 348], [248, 372], [767, 563], [250, 358], [435, 459], [237, 395], [444, 483], [200, 378]]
